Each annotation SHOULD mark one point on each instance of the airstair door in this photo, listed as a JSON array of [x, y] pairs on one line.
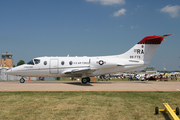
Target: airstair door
[[54, 64]]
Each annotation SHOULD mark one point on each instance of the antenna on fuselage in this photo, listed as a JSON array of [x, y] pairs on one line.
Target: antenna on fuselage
[[68, 55]]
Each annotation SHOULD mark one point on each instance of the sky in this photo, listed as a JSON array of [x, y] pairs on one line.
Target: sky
[[37, 28]]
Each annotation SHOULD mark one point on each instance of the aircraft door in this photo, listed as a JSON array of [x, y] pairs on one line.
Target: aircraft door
[[54, 64]]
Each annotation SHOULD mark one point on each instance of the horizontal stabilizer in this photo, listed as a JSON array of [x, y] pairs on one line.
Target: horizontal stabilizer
[[153, 39]]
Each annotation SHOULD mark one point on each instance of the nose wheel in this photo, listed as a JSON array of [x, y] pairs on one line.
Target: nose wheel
[[22, 80]]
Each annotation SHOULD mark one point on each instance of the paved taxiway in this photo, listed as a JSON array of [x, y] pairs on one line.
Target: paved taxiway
[[94, 86]]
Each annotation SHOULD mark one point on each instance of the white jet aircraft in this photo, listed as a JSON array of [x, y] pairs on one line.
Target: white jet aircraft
[[137, 57]]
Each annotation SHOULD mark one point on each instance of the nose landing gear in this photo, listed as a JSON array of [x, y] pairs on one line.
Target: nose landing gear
[[22, 80]]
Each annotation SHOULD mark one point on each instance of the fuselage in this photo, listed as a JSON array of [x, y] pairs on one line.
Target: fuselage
[[70, 66]]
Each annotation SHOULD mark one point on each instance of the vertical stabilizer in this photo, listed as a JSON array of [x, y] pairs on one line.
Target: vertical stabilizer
[[144, 49]]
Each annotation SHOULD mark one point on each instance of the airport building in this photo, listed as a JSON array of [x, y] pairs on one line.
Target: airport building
[[6, 60]]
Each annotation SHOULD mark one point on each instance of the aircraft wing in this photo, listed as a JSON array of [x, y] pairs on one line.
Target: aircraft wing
[[120, 64], [79, 70]]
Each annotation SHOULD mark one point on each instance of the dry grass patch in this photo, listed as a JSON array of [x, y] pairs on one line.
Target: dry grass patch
[[85, 105]]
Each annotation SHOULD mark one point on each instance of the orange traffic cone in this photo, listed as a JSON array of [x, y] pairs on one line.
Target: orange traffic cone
[[94, 79], [29, 78]]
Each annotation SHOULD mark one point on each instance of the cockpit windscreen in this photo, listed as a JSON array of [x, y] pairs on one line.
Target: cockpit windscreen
[[31, 62], [36, 61]]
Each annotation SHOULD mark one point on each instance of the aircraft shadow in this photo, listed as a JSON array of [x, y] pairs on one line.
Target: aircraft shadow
[[142, 82], [101, 82], [78, 83], [88, 84]]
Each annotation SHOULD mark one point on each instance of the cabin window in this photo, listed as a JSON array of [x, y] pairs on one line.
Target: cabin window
[[62, 63], [45, 62], [70, 62], [36, 61], [30, 62]]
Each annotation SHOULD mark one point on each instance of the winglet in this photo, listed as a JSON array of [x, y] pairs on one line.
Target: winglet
[[153, 39]]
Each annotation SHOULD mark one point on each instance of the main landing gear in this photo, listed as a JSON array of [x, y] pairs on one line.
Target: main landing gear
[[85, 80], [22, 80]]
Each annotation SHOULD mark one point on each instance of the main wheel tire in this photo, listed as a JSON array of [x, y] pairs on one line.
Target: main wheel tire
[[84, 80], [177, 111], [22, 80], [156, 110]]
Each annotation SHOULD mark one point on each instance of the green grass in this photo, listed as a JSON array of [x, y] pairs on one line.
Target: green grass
[[85, 105]]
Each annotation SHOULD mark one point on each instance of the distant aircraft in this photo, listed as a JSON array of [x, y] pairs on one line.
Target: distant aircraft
[[137, 57]]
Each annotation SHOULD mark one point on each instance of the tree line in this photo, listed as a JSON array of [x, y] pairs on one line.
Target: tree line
[[21, 62]]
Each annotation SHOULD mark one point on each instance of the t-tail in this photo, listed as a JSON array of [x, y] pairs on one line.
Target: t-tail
[[144, 49]]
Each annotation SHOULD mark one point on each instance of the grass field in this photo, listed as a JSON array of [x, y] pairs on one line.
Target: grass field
[[85, 105]]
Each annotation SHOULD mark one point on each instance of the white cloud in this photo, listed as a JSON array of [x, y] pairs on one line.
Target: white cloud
[[172, 10], [132, 27], [120, 12], [109, 2]]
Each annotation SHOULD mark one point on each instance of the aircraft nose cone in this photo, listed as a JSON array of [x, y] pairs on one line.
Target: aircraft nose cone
[[9, 71]]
